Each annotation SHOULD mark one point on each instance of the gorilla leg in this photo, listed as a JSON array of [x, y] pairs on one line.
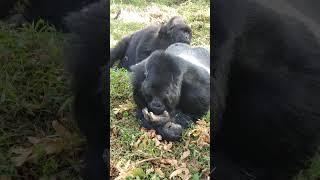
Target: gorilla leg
[[119, 51], [87, 55]]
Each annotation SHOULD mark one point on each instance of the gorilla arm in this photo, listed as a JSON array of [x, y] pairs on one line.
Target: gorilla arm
[[119, 51]]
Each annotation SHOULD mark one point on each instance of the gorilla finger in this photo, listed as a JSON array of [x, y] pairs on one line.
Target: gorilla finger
[[145, 113]]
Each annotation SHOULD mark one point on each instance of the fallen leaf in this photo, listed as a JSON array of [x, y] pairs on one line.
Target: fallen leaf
[[185, 154], [148, 171], [33, 140], [159, 172], [179, 171], [167, 161], [61, 130], [167, 146], [159, 137], [23, 156], [53, 146]]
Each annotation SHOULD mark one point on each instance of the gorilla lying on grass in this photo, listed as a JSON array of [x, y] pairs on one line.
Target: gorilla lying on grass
[[138, 46], [172, 88], [266, 89], [86, 56]]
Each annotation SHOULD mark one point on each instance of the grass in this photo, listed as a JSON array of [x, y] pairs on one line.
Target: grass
[[38, 140], [35, 106], [137, 153]]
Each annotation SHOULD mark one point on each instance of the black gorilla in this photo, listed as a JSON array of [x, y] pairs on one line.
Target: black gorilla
[[86, 57], [172, 88], [136, 47], [52, 11], [265, 89]]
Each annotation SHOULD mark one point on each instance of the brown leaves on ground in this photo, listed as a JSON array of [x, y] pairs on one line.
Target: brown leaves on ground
[[202, 133], [39, 146], [127, 107], [200, 136]]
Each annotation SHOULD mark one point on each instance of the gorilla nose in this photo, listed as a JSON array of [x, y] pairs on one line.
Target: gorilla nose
[[157, 108]]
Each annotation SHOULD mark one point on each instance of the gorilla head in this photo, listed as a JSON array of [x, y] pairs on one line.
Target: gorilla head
[[176, 30], [161, 88]]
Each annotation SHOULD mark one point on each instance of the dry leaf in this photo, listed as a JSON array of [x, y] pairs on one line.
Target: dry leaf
[[33, 140], [53, 146], [167, 146], [123, 107], [172, 162], [23, 156], [61, 130], [202, 122], [148, 171], [179, 172], [159, 172], [185, 154], [151, 133], [159, 137], [156, 141]]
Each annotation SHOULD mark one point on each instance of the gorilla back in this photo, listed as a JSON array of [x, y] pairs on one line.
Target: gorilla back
[[138, 46], [265, 89], [171, 88]]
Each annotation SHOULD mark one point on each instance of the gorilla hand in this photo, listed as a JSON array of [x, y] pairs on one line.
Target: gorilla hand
[[165, 125], [156, 119]]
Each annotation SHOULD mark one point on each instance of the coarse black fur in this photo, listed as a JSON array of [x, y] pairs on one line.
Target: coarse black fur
[[265, 88], [136, 47], [86, 58], [166, 82]]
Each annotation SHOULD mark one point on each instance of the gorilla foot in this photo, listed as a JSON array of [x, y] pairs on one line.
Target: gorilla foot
[[171, 131]]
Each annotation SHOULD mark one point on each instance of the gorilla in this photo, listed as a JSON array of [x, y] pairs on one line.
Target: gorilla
[[172, 89], [86, 56], [265, 88], [51, 11], [138, 46]]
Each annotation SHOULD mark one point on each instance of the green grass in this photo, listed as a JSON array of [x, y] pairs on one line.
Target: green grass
[[34, 92], [136, 153]]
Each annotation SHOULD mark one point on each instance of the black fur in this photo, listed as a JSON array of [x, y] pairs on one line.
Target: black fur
[[136, 47], [166, 82], [86, 57], [265, 89], [52, 11]]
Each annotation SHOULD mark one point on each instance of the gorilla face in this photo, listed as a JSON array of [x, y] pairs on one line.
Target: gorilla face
[[162, 84], [178, 30]]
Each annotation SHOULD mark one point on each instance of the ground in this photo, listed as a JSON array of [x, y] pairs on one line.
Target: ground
[[35, 123], [137, 153]]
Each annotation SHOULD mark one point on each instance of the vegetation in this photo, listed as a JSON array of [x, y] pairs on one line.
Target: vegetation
[[139, 153], [35, 124]]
